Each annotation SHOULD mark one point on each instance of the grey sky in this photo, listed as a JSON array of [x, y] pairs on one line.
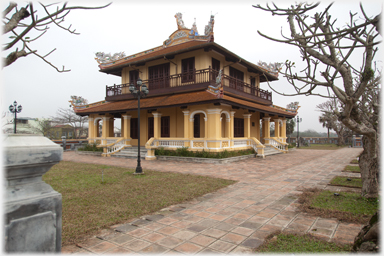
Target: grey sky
[[132, 27]]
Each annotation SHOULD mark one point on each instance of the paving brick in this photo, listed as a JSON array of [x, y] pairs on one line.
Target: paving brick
[[234, 221], [252, 243], [184, 234], [243, 231], [251, 225], [154, 217], [326, 223], [121, 239], [136, 245], [241, 250], [188, 248], [169, 242], [154, 249], [154, 226], [168, 230], [181, 224], [225, 226], [202, 240], [212, 232], [270, 228], [233, 238], [119, 250], [102, 247], [203, 214], [125, 228], [222, 246], [167, 221], [153, 237], [139, 232], [90, 242], [260, 234]]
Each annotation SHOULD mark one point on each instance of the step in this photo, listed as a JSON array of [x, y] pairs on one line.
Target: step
[[131, 152], [271, 151]]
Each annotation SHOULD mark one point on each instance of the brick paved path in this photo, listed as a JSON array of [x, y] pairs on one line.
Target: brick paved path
[[233, 219]]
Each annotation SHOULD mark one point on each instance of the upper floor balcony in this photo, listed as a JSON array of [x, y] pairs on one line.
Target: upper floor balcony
[[191, 81]]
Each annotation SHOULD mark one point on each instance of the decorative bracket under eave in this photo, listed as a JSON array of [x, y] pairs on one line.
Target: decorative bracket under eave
[[217, 90]]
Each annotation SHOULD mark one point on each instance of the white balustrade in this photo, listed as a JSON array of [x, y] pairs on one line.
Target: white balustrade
[[275, 143], [171, 143], [240, 143]]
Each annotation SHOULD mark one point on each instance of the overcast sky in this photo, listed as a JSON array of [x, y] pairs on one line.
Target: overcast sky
[[132, 27]]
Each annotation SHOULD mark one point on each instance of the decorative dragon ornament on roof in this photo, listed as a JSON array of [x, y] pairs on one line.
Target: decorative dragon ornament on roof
[[271, 67], [102, 57], [217, 90]]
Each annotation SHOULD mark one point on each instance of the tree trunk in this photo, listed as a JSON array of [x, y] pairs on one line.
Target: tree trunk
[[369, 166]]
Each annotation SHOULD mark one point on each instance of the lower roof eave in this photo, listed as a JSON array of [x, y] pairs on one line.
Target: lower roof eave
[[223, 101]]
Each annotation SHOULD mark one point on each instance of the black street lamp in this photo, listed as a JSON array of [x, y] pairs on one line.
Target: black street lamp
[[15, 109], [298, 120], [139, 90]]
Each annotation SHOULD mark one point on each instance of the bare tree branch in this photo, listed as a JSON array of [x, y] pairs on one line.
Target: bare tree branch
[[39, 24], [327, 50]]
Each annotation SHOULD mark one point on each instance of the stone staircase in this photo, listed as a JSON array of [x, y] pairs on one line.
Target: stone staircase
[[268, 150], [131, 152]]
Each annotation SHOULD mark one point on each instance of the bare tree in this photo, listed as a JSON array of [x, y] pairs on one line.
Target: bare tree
[[44, 126], [290, 126], [68, 117], [326, 51], [329, 120], [22, 22]]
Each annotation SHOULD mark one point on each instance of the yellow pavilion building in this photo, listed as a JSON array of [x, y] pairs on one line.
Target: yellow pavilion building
[[201, 96]]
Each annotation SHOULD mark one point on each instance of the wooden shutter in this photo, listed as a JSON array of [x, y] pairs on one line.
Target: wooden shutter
[[151, 126], [238, 129], [158, 76], [165, 127], [133, 76], [196, 126], [237, 78], [215, 68], [134, 128], [188, 70]]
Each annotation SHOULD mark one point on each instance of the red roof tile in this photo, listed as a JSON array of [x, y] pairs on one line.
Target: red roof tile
[[191, 98]]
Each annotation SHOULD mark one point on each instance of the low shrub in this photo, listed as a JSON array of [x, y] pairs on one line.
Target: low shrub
[[184, 152], [90, 147]]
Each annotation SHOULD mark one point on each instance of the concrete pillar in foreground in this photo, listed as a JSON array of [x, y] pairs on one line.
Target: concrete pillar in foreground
[[32, 209]]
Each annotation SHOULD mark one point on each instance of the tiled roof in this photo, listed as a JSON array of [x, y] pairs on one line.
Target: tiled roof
[[161, 52], [191, 98], [262, 108], [115, 67]]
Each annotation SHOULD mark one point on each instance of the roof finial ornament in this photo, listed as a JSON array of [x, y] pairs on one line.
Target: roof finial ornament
[[209, 27], [194, 31], [179, 20]]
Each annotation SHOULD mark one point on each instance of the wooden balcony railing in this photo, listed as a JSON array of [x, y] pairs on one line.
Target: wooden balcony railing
[[191, 79]]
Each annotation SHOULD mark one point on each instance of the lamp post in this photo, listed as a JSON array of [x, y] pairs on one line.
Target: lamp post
[[298, 120], [15, 109], [139, 90]]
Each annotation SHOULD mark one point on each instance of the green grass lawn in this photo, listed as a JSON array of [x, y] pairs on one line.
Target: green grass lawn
[[346, 202], [322, 146], [346, 181], [351, 168], [294, 243], [354, 161], [346, 206], [90, 205]]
